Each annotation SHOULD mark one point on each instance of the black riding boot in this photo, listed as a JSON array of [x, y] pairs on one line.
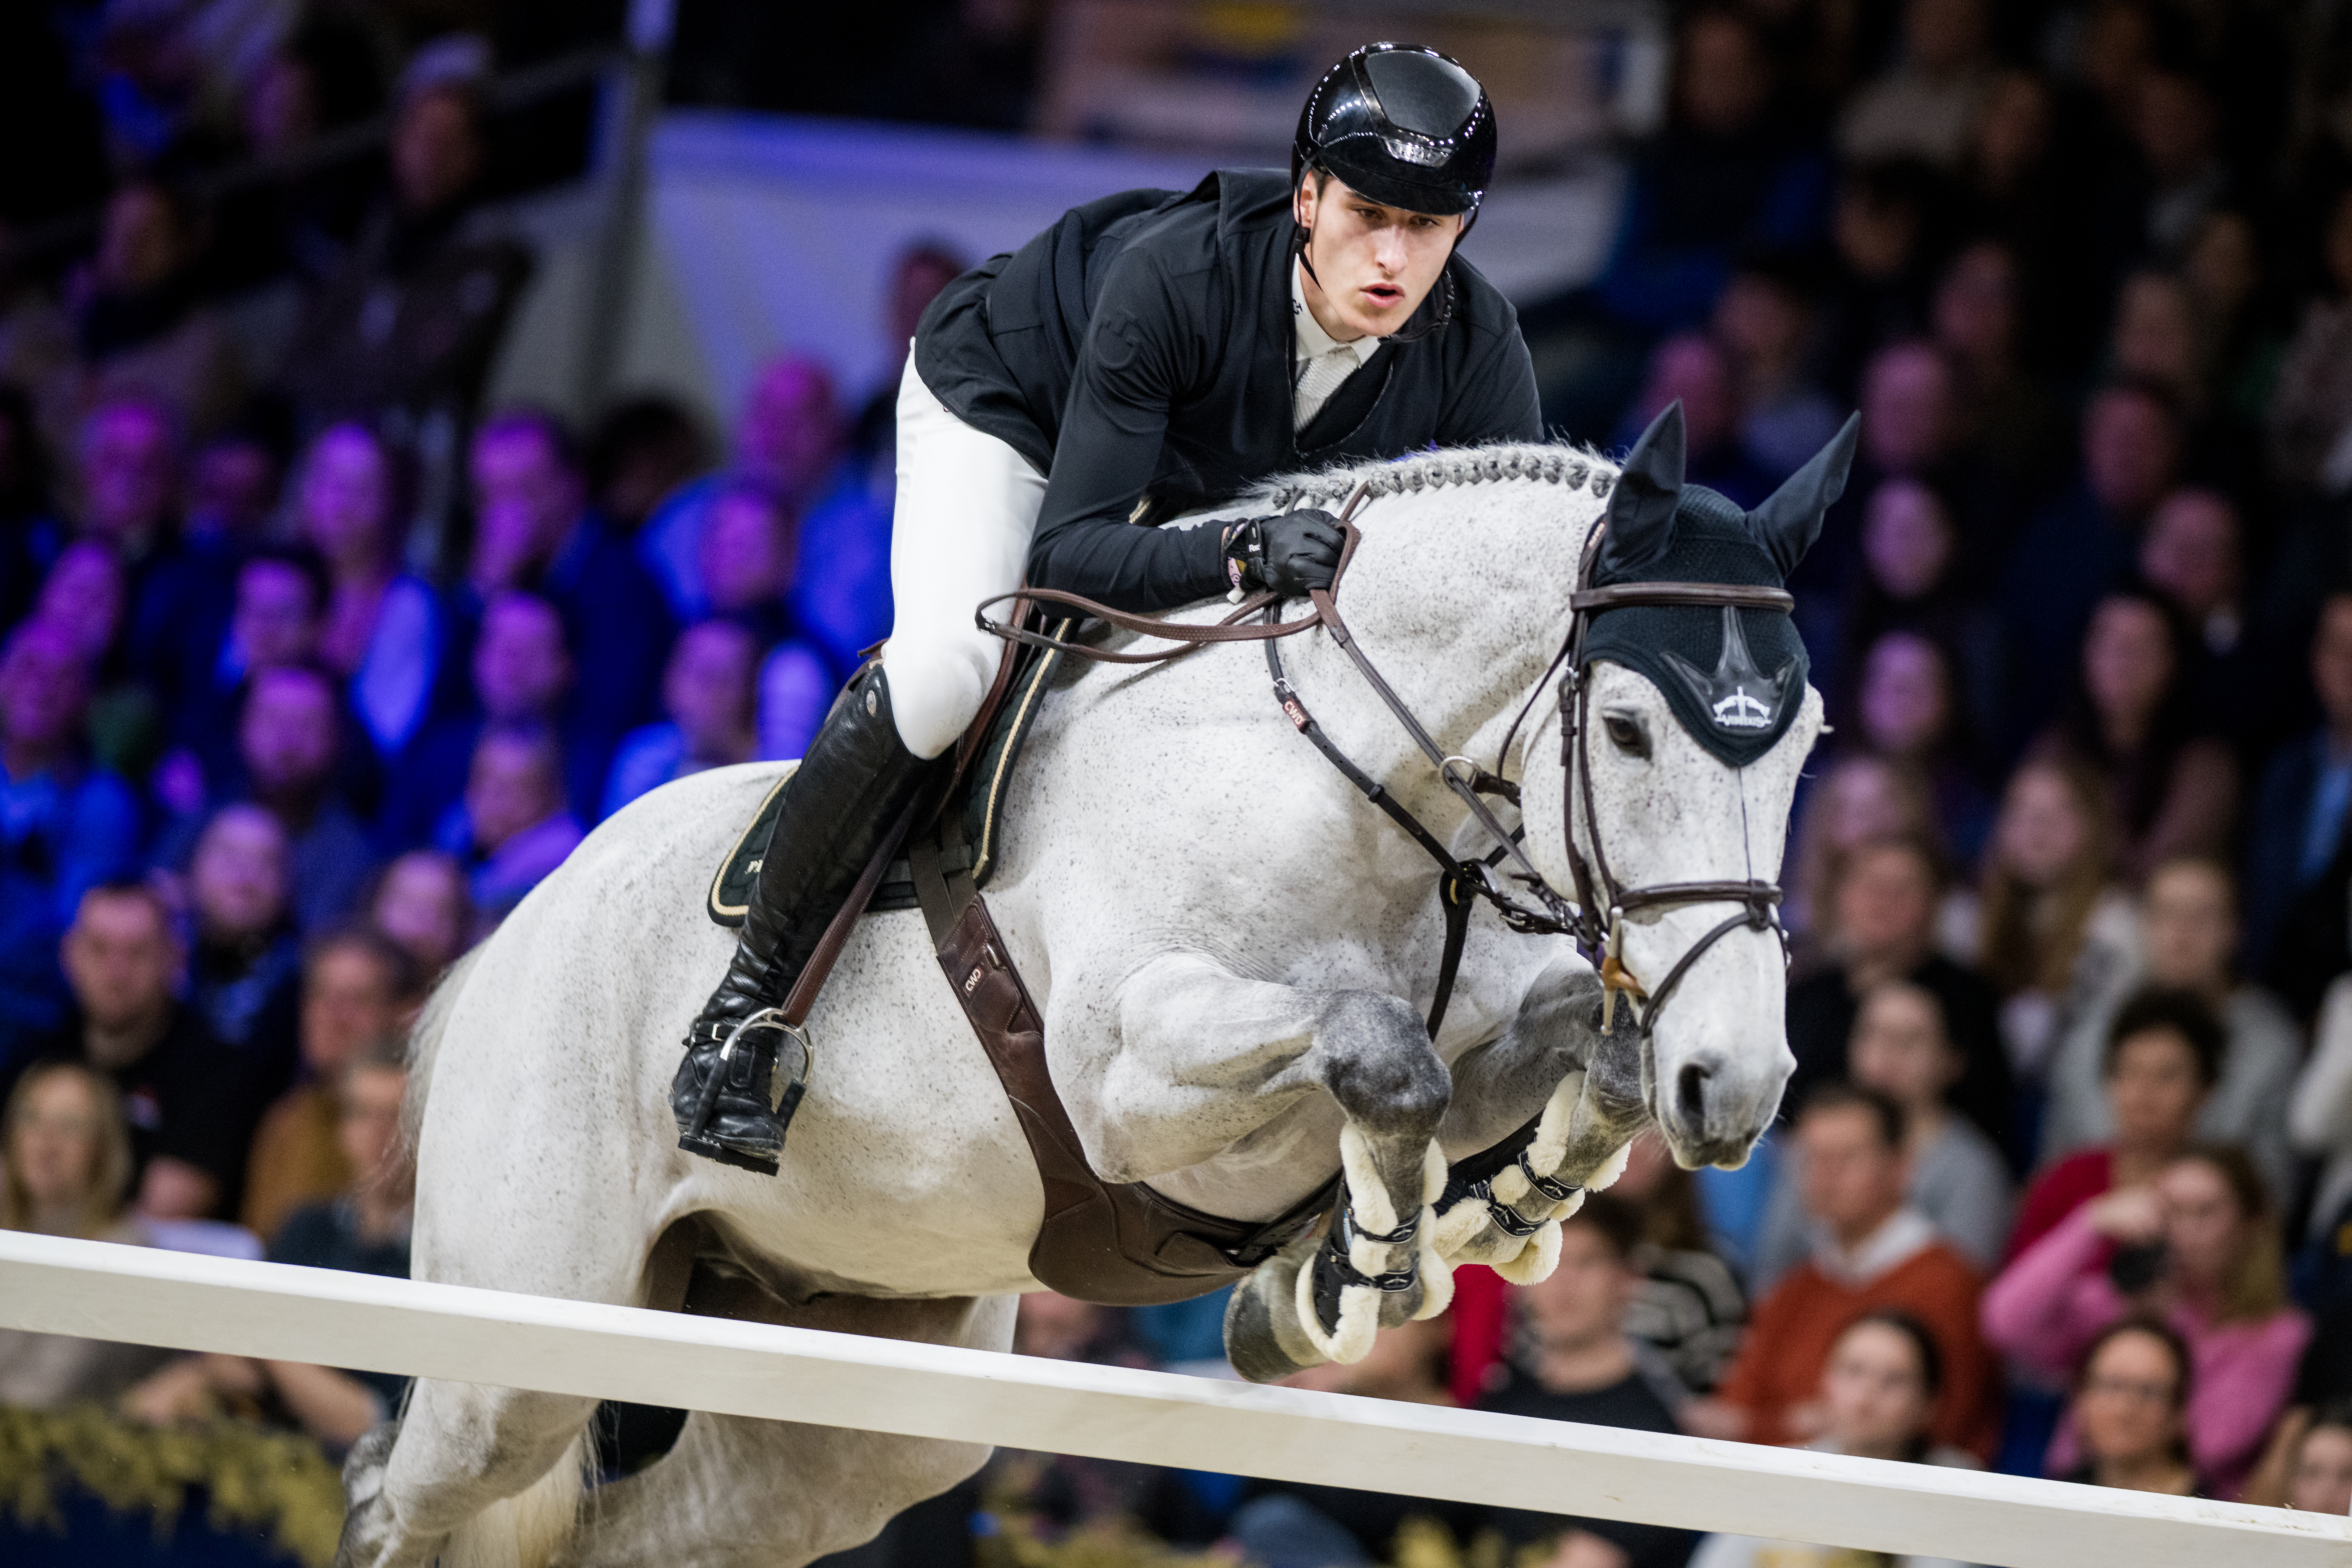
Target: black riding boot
[[848, 791]]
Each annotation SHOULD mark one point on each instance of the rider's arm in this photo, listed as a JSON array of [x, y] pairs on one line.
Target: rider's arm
[[1137, 356]]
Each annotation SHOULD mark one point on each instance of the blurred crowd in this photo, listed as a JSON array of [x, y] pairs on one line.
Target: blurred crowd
[[311, 666]]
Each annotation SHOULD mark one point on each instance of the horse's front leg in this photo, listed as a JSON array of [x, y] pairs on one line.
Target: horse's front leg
[[1503, 1207], [1238, 1050]]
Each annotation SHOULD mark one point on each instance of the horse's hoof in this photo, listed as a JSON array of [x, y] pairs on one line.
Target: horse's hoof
[[1263, 1338]]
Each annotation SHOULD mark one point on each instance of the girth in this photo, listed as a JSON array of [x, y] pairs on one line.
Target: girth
[[1117, 1242]]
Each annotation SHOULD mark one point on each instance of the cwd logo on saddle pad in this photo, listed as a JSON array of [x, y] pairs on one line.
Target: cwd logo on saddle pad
[[1738, 696]]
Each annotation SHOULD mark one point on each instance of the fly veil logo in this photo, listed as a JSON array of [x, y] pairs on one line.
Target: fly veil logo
[[1738, 696]]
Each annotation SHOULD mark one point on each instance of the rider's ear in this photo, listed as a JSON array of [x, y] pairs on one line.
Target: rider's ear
[[1642, 506], [1787, 525]]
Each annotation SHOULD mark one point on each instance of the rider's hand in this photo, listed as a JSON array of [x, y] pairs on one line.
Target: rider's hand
[[1291, 553]]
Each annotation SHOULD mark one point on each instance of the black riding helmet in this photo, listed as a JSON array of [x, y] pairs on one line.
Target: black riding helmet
[[1403, 124]]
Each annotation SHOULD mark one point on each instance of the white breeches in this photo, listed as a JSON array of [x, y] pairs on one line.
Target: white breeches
[[966, 506]]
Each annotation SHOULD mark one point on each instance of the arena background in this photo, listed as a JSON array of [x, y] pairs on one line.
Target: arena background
[[296, 697]]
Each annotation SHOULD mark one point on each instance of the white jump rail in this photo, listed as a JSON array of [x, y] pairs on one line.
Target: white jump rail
[[100, 1291]]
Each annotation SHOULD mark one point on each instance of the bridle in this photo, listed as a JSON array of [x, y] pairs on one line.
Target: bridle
[[1600, 937], [1522, 898]]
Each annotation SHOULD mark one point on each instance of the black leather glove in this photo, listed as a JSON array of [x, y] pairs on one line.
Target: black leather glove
[[1290, 553]]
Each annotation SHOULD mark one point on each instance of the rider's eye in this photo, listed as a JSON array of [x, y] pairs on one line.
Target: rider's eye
[[1626, 735]]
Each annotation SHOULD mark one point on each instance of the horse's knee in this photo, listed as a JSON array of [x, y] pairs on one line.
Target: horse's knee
[[1380, 1065]]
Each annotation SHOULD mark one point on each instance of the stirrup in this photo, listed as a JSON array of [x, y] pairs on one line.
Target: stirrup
[[695, 1140]]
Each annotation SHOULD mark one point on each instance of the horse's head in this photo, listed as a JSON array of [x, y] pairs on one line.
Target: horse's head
[[1686, 724]]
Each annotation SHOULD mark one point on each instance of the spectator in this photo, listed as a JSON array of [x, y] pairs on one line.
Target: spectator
[[290, 740], [66, 824], [523, 674], [1882, 244], [2133, 721], [2224, 270], [1875, 1251], [533, 532], [2006, 417], [2077, 547], [512, 828], [1878, 1396], [710, 693], [2193, 556], [1862, 797], [2178, 125], [1688, 369], [746, 557], [408, 322], [2163, 1057], [2198, 1248], [2311, 415], [2189, 921], [1690, 1308], [1908, 706], [247, 967], [179, 606], [363, 1231], [1725, 177], [65, 1161], [354, 986], [1886, 902], [787, 440], [1913, 579], [643, 449], [1579, 1365], [191, 1105], [1901, 1049], [2131, 1403], [790, 445], [421, 906], [383, 629], [139, 327], [2298, 869], [84, 599], [232, 491], [2055, 938], [1925, 107], [2320, 1480], [2158, 338], [923, 270], [274, 617], [1763, 321]]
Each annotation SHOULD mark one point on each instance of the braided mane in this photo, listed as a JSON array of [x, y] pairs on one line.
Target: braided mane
[[1550, 462]]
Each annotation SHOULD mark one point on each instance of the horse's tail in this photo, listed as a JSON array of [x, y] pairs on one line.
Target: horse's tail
[[425, 1042], [525, 1529]]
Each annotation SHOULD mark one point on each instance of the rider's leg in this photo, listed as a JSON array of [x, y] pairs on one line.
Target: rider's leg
[[966, 506]]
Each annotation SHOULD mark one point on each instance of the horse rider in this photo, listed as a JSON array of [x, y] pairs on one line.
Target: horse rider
[[1148, 354]]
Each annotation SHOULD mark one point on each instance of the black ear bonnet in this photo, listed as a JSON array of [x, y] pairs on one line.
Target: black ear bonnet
[[1735, 677]]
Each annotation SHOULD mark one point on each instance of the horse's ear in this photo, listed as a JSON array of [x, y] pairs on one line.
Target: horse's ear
[[1787, 525], [1642, 506]]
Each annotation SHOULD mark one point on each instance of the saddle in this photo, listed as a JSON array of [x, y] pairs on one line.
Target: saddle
[[1116, 1244]]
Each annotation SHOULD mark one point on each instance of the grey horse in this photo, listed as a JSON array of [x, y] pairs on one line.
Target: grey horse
[[1233, 954]]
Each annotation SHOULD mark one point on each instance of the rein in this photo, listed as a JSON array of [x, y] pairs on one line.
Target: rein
[[1462, 882]]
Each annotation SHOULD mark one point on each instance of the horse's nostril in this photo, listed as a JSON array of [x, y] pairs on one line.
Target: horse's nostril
[[1690, 1096]]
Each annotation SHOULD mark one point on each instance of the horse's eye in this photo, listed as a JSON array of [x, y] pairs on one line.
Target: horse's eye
[[1626, 735]]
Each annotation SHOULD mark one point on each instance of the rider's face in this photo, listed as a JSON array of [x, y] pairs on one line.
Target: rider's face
[[1372, 265]]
